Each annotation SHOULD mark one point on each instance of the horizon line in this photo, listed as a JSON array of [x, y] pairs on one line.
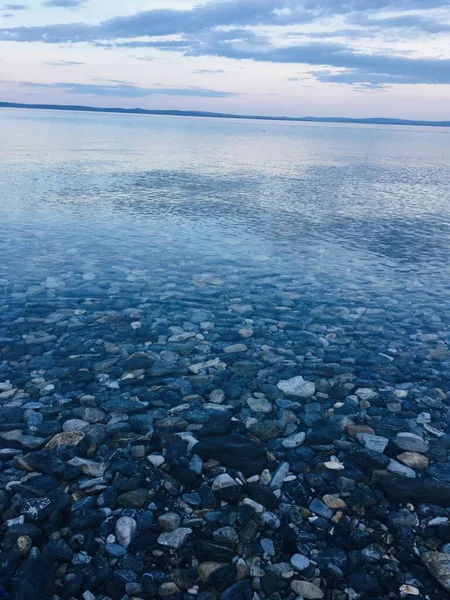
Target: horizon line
[[207, 114]]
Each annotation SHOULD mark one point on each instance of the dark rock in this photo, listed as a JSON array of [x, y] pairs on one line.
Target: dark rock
[[207, 551], [217, 425], [364, 582], [440, 471], [365, 458], [242, 590], [34, 581], [223, 578], [269, 583], [262, 494], [405, 489], [324, 432], [233, 451], [297, 491], [57, 551]]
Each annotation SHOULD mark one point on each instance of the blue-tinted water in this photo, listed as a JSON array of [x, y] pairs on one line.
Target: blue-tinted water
[[290, 225], [158, 272]]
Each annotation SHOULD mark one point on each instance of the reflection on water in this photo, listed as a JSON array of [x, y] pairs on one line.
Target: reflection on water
[[191, 212]]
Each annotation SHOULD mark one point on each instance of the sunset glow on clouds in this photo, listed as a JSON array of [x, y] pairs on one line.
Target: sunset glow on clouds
[[291, 57]]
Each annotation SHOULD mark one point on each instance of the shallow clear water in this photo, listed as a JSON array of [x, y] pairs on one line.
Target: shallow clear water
[[342, 231]]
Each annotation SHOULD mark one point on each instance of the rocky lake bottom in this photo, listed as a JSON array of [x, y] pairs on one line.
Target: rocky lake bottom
[[209, 402]]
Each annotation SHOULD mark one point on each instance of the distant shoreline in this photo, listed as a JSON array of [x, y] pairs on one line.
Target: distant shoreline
[[212, 115]]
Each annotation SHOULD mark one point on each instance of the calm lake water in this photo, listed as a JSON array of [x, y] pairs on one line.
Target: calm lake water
[[259, 223]]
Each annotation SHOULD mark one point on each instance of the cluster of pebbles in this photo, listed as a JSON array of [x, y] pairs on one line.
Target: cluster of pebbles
[[270, 445]]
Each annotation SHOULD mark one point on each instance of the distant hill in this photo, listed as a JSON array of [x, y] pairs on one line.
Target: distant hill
[[191, 113]]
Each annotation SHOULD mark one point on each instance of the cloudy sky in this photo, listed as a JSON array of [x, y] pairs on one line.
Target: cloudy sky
[[290, 57]]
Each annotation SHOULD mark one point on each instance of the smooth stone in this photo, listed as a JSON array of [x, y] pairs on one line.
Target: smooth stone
[[226, 535], [235, 348], [217, 396], [88, 467], [75, 425], [260, 405], [396, 467], [125, 529], [223, 481], [298, 387], [353, 430], [373, 442], [414, 460], [333, 502], [279, 476], [409, 590], [300, 562], [320, 509], [67, 438], [307, 590], [295, 440], [439, 567], [366, 394], [175, 539], [156, 460], [169, 521], [410, 442]]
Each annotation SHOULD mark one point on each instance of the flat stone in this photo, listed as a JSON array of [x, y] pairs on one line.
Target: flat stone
[[297, 387], [414, 460], [226, 535], [134, 498], [235, 348], [410, 442], [373, 442], [195, 369], [439, 567], [396, 467], [320, 509], [75, 425], [156, 459], [409, 590], [169, 521], [300, 562], [366, 394], [175, 539], [217, 396], [279, 475], [223, 481], [307, 590], [295, 440], [333, 502], [353, 430], [67, 438], [88, 467], [206, 569], [402, 489], [261, 405]]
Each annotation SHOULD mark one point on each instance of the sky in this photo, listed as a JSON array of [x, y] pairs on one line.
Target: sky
[[360, 58]]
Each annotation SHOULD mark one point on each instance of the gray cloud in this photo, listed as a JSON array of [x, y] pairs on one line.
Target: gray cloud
[[221, 28], [417, 22], [64, 63], [63, 3], [213, 14], [208, 71], [127, 90], [15, 7], [358, 67]]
